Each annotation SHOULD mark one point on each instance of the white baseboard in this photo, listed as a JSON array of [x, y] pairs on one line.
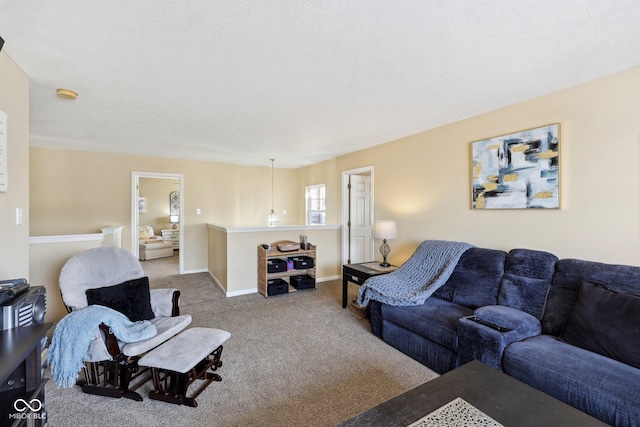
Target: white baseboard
[[234, 293], [201, 270], [242, 292], [327, 279]]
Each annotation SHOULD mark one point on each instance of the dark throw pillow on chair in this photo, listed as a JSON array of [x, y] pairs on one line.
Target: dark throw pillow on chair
[[131, 298], [605, 322]]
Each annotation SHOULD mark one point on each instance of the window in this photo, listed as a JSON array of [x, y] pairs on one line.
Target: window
[[316, 204]]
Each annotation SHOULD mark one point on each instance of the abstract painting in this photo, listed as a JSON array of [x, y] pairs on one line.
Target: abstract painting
[[517, 171]]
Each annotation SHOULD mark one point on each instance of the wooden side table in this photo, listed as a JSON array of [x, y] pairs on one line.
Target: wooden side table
[[358, 273]]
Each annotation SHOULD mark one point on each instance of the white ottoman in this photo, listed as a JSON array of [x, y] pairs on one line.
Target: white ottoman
[[183, 359], [154, 249]]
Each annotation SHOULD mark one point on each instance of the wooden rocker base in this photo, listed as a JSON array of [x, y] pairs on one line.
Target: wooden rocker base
[[171, 386], [113, 379], [111, 392]]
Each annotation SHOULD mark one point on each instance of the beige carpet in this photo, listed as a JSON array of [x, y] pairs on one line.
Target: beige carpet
[[162, 267], [298, 359]]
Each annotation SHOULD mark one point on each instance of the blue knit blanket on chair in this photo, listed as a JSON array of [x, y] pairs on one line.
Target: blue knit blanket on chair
[[417, 279], [74, 333]]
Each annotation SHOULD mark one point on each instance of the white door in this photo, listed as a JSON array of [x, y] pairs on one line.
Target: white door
[[360, 213]]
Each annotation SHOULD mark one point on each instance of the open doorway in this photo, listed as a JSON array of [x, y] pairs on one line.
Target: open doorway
[[357, 215], [157, 203]]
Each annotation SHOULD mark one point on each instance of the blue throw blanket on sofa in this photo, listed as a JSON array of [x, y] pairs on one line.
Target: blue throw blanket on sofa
[[428, 268], [74, 333]]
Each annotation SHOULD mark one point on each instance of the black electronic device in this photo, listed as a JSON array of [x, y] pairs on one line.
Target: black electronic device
[[489, 324], [1, 43], [26, 309], [12, 282], [286, 245], [10, 289]]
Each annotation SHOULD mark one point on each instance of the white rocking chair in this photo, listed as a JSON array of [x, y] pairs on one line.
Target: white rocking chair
[[111, 367]]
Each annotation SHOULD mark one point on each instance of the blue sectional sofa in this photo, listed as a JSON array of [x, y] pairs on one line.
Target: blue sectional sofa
[[570, 328]]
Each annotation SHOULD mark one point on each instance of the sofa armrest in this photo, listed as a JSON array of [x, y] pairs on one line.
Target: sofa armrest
[[522, 325], [164, 302], [486, 334]]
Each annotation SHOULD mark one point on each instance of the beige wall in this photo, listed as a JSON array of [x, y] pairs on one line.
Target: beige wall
[[47, 259], [76, 192], [238, 247], [326, 173], [14, 101], [423, 181], [218, 256]]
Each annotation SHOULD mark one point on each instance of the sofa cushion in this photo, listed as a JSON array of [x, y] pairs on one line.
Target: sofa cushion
[[527, 279], [143, 234], [605, 322], [94, 268], [602, 387], [131, 298], [436, 320], [434, 356], [166, 327], [564, 289], [476, 279]]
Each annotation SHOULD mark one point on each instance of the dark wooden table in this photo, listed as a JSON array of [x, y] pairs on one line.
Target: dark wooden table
[[21, 364], [358, 273], [501, 397]]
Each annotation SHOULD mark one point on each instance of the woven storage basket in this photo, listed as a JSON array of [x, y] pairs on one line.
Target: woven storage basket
[[357, 311]]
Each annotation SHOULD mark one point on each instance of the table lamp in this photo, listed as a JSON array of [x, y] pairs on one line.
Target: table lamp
[[384, 230]]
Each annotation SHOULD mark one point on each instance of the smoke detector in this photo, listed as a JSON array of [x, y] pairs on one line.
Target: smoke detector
[[67, 94]]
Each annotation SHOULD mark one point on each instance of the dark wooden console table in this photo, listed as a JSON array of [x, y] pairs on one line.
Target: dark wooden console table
[[21, 375]]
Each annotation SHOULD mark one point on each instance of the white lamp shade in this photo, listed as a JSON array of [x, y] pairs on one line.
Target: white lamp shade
[[173, 219], [385, 230]]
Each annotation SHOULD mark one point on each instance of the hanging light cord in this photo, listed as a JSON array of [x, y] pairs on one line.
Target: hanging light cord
[[271, 185]]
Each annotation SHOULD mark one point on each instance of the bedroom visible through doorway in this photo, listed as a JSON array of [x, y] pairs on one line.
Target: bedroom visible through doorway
[[156, 221]]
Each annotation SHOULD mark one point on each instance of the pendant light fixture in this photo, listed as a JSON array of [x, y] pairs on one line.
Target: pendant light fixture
[[272, 218]]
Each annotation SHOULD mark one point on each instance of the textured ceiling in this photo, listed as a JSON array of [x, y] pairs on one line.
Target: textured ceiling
[[301, 81]]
